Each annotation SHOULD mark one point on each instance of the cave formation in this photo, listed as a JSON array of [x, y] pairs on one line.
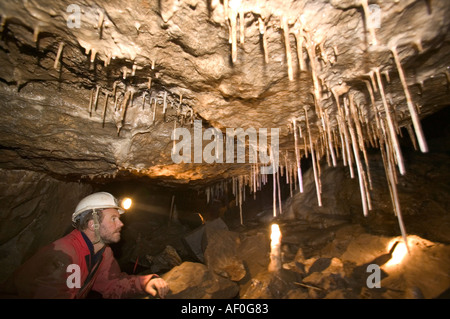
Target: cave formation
[[346, 99]]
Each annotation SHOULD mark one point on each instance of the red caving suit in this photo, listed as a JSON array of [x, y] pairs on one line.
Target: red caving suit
[[45, 275]]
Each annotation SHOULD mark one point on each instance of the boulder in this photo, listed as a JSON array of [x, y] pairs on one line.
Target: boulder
[[166, 260], [195, 281], [270, 285], [221, 251]]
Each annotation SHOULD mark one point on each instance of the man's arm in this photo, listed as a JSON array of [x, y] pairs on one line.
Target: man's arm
[[111, 282]]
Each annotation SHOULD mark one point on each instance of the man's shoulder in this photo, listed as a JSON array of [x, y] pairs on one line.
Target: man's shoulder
[[72, 243]]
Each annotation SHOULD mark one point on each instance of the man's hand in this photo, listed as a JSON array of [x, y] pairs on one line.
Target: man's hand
[[157, 286]]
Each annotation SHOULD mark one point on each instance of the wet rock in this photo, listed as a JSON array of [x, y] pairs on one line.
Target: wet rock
[[193, 241], [254, 252], [221, 251], [36, 210], [195, 281], [166, 260], [269, 285]]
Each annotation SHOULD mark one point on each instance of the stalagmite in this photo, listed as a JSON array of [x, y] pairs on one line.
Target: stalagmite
[[58, 55], [313, 159], [414, 117], [393, 136], [149, 83], [287, 45], [297, 157], [275, 249]]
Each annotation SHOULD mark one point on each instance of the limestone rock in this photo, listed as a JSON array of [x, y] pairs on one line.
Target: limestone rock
[[221, 251], [269, 285], [166, 260], [194, 281]]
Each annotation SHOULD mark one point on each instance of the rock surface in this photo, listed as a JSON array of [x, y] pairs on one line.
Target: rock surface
[[194, 281], [31, 216]]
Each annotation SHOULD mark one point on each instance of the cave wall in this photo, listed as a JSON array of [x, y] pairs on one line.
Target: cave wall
[[36, 210]]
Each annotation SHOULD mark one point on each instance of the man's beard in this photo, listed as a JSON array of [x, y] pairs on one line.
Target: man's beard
[[111, 238]]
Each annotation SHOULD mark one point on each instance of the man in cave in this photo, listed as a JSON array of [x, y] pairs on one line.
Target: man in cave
[[82, 261]]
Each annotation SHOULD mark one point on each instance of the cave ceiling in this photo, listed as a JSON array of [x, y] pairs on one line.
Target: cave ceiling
[[81, 80]]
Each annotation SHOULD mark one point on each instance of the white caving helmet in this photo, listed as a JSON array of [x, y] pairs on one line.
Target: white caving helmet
[[100, 200], [96, 202]]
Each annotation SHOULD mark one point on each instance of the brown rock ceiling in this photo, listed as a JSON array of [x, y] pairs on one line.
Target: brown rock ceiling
[[184, 48]]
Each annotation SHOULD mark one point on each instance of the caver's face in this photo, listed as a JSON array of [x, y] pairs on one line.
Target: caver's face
[[110, 226]]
